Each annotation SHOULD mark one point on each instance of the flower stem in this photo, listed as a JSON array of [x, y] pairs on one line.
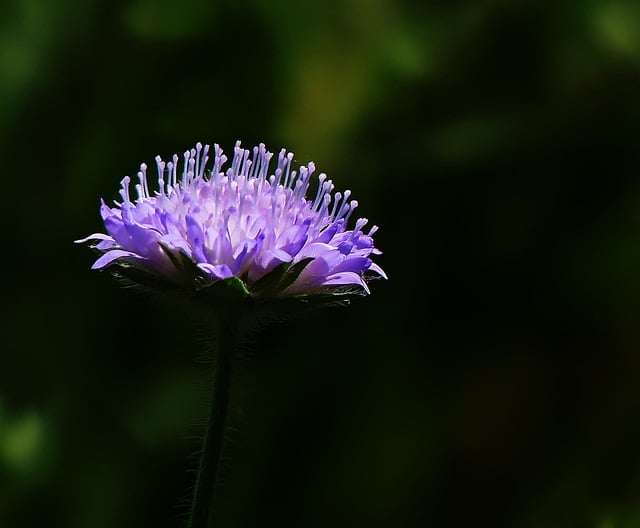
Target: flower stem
[[202, 510]]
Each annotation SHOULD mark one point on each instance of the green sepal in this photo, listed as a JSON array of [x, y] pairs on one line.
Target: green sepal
[[293, 272], [262, 299], [134, 273], [298, 305], [183, 263], [278, 279], [232, 288]]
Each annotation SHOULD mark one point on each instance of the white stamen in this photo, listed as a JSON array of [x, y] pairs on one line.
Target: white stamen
[[319, 192], [287, 168], [205, 160], [336, 201], [185, 168], [277, 178], [174, 176], [197, 156], [237, 156], [360, 223], [341, 211], [124, 192], [170, 170], [255, 162], [324, 207], [352, 205], [142, 175], [191, 172]]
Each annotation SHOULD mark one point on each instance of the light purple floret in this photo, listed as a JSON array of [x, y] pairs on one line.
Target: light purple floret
[[241, 221]]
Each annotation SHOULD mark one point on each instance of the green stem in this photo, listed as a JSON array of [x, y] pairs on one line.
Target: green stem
[[202, 509]]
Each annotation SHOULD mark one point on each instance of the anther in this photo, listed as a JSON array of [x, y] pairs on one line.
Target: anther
[[352, 205]]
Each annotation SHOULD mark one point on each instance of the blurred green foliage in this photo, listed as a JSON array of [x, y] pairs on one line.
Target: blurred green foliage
[[493, 380]]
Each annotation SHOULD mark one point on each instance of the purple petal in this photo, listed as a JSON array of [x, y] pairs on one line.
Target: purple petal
[[326, 236], [314, 250], [318, 267], [196, 239], [266, 262], [243, 258], [377, 269], [345, 247], [293, 248], [144, 240], [106, 244], [115, 227], [219, 271], [273, 257], [222, 250], [364, 241], [293, 239], [106, 211], [353, 264], [112, 255], [177, 243], [95, 236], [343, 279]]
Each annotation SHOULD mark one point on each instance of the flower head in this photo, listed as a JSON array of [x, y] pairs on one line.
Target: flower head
[[241, 226]]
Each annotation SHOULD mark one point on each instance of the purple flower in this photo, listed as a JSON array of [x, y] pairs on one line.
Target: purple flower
[[240, 223]]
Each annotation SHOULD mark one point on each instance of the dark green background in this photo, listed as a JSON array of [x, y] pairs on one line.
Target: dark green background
[[492, 381]]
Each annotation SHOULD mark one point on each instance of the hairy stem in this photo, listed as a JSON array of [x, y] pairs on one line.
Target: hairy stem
[[202, 515]]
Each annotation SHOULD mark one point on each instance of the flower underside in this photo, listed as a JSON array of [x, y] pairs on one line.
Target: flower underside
[[243, 229]]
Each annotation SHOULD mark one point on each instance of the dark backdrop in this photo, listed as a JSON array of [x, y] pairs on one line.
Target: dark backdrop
[[493, 380]]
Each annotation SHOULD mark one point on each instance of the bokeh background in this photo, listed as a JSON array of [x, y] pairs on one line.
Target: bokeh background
[[492, 381]]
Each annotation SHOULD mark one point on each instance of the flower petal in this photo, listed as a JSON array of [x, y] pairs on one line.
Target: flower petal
[[144, 240], [196, 238], [219, 271], [115, 227], [314, 250], [346, 278], [177, 243], [377, 269], [274, 257], [353, 264], [105, 245], [95, 236], [112, 255]]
